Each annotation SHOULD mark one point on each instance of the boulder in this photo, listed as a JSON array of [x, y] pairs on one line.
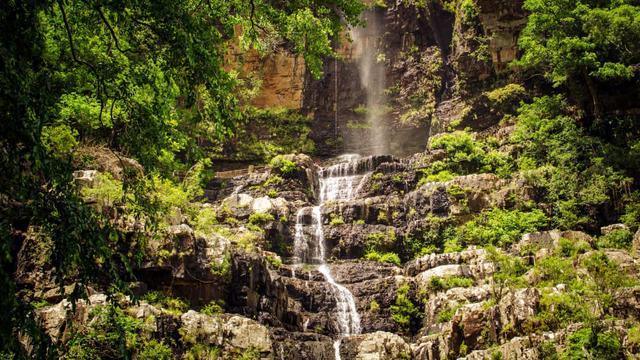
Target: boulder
[[374, 346], [613, 227], [231, 332]]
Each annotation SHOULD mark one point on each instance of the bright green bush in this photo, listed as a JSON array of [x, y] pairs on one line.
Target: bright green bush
[[404, 312], [154, 350], [259, 218], [387, 257], [590, 343], [173, 305], [501, 227], [284, 166], [616, 239]]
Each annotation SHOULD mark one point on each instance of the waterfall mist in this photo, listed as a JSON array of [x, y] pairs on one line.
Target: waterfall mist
[[370, 62]]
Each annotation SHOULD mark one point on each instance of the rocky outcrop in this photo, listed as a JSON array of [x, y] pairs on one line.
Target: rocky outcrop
[[375, 346], [234, 334]]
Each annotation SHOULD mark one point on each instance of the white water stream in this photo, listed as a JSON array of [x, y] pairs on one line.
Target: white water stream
[[338, 182]]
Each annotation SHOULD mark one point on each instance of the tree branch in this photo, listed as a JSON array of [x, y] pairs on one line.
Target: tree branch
[[111, 31], [78, 60]]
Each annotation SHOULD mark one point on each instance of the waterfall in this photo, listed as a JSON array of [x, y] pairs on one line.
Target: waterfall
[[370, 61], [337, 182]]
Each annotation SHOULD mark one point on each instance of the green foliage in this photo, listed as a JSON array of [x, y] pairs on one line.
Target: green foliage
[[260, 218], [374, 307], [283, 165], [111, 334], [569, 40], [465, 155], [508, 272], [173, 305], [505, 94], [501, 227], [442, 284], [592, 343], [568, 167], [616, 239], [336, 220], [391, 258], [106, 191], [213, 308], [202, 351], [448, 313], [154, 350], [222, 268], [404, 312], [261, 134], [205, 221], [631, 216], [428, 238]]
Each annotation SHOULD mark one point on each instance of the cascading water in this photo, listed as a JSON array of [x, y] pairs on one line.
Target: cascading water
[[370, 61], [337, 183]]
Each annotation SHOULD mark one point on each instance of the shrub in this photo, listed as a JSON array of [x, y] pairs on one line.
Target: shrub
[[205, 220], [391, 258], [106, 191], [448, 313], [558, 310], [336, 220], [110, 334], [259, 218], [507, 93], [590, 343], [154, 350], [404, 313], [617, 239], [173, 305], [501, 227], [374, 306], [283, 165], [446, 283], [212, 308], [553, 270]]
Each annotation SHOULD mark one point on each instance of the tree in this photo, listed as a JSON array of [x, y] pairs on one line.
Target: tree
[[585, 41]]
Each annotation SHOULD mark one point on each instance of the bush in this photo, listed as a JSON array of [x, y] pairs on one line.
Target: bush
[[284, 166], [507, 93], [106, 191], [616, 239], [590, 343], [404, 313], [446, 283], [173, 305], [259, 218], [213, 308], [154, 350], [501, 227], [391, 258]]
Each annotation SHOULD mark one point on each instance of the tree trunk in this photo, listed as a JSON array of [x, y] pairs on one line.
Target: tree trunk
[[593, 91]]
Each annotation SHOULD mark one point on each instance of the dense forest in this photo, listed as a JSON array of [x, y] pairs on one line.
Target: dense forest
[[172, 183]]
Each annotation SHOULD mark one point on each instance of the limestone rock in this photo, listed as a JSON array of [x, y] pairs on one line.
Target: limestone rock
[[375, 346], [233, 333], [613, 227]]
